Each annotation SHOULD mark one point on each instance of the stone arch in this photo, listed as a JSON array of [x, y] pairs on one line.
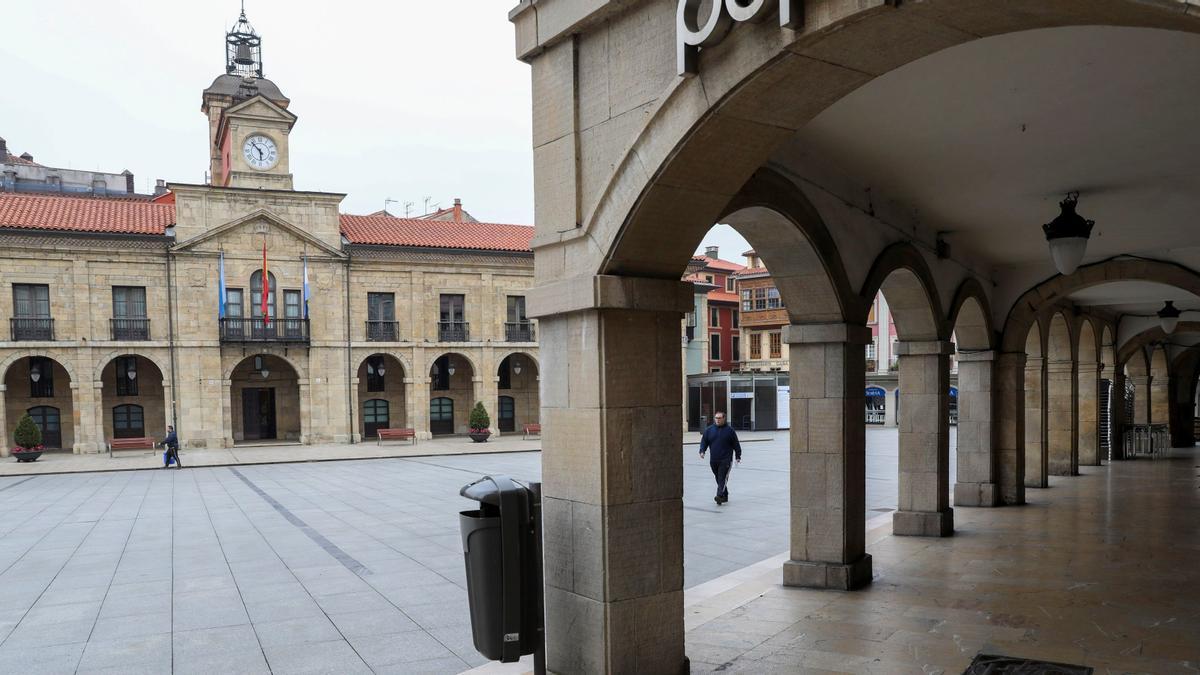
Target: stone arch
[[1061, 418], [520, 352], [16, 397], [475, 372], [518, 395], [108, 357], [1107, 351], [902, 275], [462, 388], [395, 393], [271, 408], [1035, 406], [1088, 393], [152, 394], [1088, 347], [1151, 336], [1160, 384], [971, 317], [296, 368], [61, 358]]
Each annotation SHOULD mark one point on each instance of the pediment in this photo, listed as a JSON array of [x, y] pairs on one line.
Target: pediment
[[257, 223], [262, 107]]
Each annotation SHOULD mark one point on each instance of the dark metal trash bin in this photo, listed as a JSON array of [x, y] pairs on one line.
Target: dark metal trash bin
[[503, 558]]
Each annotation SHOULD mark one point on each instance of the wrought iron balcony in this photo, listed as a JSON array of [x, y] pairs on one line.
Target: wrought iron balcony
[[130, 329], [258, 330], [454, 331], [519, 331], [383, 331], [26, 329]]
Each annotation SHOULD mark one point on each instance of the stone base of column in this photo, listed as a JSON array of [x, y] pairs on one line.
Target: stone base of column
[[923, 523], [976, 494], [1063, 472], [836, 576]]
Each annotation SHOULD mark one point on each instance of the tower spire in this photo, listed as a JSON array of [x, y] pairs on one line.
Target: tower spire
[[243, 48]]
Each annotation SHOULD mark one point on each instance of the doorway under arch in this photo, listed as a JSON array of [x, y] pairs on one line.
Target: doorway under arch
[[40, 386], [264, 395]]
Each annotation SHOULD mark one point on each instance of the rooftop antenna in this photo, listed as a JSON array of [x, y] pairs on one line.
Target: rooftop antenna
[[387, 201], [427, 199], [408, 206]]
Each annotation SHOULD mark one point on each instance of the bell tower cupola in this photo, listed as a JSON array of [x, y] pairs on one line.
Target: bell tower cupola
[[248, 119]]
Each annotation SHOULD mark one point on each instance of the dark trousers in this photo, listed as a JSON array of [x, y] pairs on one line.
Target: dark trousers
[[721, 472], [173, 452]]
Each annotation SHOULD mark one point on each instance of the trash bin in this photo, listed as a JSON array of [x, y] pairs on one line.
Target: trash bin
[[503, 558]]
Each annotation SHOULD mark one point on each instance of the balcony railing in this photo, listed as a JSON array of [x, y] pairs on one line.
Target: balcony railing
[[519, 331], [383, 331], [130, 329], [454, 331], [24, 328], [258, 330]]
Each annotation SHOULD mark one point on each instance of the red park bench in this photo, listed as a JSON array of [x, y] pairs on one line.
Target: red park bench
[[396, 435], [531, 430], [119, 444]]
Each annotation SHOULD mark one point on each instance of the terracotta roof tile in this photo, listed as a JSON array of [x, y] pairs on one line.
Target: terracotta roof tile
[[85, 214], [718, 264], [392, 231]]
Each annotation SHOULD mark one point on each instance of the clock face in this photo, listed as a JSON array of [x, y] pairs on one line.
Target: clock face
[[260, 152]]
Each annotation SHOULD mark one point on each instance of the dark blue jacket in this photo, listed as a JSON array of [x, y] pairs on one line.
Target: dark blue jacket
[[171, 441], [722, 441]]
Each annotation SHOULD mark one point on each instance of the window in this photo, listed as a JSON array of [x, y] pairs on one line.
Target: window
[[776, 345], [256, 295], [41, 377], [375, 371], [129, 302], [452, 326], [126, 376], [516, 309], [747, 301], [128, 421], [773, 301], [871, 348], [734, 315], [291, 305], [728, 284], [735, 353], [708, 278], [452, 308], [505, 374], [31, 301], [714, 347], [441, 373], [381, 306], [714, 317], [894, 358], [234, 303], [760, 298], [756, 345]]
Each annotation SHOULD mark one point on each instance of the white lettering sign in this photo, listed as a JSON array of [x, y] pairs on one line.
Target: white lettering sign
[[694, 31]]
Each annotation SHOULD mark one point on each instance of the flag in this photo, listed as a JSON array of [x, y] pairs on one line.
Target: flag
[[221, 286], [266, 289], [306, 292]]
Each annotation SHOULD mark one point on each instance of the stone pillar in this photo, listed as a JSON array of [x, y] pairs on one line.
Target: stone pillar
[[1160, 398], [86, 411], [1141, 399], [418, 402], [1119, 422], [975, 484], [924, 440], [1062, 451], [828, 457], [307, 437], [1183, 413], [1009, 380], [1088, 437], [5, 441], [612, 475], [1035, 423], [889, 408]]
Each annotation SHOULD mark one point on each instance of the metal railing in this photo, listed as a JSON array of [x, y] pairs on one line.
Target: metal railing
[[130, 329], [383, 331], [258, 330], [875, 417], [454, 331], [521, 331], [25, 328], [1152, 440]]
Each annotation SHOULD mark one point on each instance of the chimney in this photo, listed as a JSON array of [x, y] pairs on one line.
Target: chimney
[[3, 150], [458, 210], [128, 181], [160, 187], [26, 156], [711, 251]]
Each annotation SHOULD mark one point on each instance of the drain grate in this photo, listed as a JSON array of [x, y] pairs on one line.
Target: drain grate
[[990, 664]]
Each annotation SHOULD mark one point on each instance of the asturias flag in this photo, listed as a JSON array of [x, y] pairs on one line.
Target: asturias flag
[[221, 287], [306, 293]]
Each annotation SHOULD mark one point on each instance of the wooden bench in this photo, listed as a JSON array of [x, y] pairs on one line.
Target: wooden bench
[[140, 444], [531, 430], [396, 435]]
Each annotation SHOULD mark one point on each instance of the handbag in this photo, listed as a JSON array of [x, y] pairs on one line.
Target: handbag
[[168, 458]]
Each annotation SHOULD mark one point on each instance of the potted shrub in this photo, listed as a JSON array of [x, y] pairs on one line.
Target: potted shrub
[[479, 424], [28, 438]]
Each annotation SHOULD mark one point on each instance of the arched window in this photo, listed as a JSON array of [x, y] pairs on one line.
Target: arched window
[[256, 290], [128, 421]]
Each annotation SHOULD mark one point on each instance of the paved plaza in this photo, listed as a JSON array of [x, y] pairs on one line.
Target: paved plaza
[[337, 567]]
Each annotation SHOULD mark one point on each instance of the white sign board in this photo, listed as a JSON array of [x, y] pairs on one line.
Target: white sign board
[[783, 407]]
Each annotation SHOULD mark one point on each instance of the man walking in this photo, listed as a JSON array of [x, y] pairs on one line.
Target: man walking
[[723, 442], [171, 445]]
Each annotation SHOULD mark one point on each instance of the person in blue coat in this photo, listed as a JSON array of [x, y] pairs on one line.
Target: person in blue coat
[[722, 440]]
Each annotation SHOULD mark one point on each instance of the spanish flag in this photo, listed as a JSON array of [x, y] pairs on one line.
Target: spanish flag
[[266, 289]]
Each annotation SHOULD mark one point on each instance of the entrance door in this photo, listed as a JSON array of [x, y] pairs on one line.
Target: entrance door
[[508, 414], [375, 417], [441, 416], [46, 419], [258, 413], [128, 421]]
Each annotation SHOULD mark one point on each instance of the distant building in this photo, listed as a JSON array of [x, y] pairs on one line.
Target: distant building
[[19, 173], [763, 317], [720, 316]]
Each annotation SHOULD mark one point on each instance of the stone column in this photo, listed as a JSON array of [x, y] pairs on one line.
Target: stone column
[[1062, 451], [5, 441], [924, 440], [1160, 399], [1141, 399], [1119, 422], [889, 408], [828, 457], [307, 437], [1089, 414], [418, 402], [86, 404], [1035, 423], [975, 484], [1010, 426], [612, 473], [1183, 413]]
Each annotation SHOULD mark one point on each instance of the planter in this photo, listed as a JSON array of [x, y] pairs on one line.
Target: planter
[[479, 436], [28, 456]]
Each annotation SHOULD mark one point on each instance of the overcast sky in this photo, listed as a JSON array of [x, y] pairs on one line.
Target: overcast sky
[[401, 100]]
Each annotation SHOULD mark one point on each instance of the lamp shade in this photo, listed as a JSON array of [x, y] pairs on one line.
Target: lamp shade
[[1068, 236], [1168, 317]]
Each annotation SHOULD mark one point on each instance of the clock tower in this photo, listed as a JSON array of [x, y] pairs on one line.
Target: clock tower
[[248, 119]]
